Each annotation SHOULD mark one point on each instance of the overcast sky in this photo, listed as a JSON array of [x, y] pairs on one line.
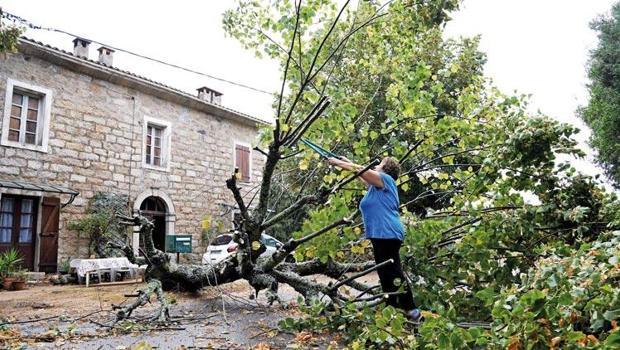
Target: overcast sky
[[533, 46], [537, 47]]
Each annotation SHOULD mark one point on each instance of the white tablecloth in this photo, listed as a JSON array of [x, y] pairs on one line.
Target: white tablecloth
[[82, 266]]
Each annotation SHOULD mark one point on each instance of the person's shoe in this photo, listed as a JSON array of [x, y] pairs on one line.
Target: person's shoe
[[415, 316]]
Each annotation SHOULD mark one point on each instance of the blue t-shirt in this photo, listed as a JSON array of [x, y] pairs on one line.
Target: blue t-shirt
[[380, 211]]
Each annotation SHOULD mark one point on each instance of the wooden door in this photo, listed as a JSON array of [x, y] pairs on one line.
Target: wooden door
[[18, 222], [50, 218]]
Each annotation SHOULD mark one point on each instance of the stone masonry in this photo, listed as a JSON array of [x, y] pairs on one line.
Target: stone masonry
[[96, 142]]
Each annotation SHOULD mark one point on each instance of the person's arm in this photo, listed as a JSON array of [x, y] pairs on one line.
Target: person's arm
[[369, 177]]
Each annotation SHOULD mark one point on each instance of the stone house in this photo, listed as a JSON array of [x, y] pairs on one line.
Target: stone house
[[73, 127]]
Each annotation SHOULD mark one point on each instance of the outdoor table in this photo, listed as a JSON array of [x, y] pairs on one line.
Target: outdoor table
[[85, 267]]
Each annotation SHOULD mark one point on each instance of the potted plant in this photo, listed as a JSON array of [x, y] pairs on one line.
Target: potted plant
[[8, 263], [20, 279], [65, 266]]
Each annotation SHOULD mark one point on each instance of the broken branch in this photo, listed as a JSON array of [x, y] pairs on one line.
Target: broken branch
[[360, 274]]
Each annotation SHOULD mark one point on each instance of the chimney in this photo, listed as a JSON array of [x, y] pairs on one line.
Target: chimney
[[80, 47], [106, 55], [210, 95]]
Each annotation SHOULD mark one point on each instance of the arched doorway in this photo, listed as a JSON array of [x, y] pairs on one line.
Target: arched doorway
[[155, 209]]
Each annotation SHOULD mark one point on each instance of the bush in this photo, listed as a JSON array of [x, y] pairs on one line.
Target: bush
[[571, 298], [101, 226]]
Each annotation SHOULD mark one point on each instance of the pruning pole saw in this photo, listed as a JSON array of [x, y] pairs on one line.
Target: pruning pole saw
[[320, 150]]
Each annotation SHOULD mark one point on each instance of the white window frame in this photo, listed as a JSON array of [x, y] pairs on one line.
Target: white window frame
[[249, 146], [43, 120], [166, 144]]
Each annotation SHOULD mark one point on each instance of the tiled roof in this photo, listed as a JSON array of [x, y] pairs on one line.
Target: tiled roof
[[140, 77]]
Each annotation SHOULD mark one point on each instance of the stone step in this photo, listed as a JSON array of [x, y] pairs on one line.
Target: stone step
[[35, 276]]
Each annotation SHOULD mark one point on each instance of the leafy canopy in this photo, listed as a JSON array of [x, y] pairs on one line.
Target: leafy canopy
[[9, 35], [602, 113], [483, 196]]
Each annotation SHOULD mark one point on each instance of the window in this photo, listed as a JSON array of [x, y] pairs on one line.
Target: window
[[16, 220], [6, 220], [153, 144], [156, 144], [242, 162], [17, 226], [26, 116]]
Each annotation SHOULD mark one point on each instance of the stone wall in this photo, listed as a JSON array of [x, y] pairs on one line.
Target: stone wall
[[95, 144]]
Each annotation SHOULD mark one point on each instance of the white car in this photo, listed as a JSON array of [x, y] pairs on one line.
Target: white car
[[223, 246]]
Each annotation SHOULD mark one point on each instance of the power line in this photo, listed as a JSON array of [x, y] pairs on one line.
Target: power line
[[29, 24]]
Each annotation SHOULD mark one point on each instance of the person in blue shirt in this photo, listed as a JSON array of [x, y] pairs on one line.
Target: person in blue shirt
[[382, 226]]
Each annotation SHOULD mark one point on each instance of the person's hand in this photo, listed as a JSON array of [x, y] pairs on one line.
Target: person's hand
[[331, 160]]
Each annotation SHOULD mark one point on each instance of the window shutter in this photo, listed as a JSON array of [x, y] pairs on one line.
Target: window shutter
[[148, 141], [246, 163], [165, 136], [242, 157], [238, 156], [49, 234]]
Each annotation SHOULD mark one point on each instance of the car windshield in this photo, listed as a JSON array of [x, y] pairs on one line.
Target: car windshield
[[268, 241], [221, 240]]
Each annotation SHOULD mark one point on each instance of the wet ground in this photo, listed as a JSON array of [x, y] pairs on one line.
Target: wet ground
[[74, 317]]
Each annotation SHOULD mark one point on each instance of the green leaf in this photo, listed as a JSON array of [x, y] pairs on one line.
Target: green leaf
[[443, 341], [387, 313], [613, 340], [534, 299], [487, 296], [565, 299], [575, 336]]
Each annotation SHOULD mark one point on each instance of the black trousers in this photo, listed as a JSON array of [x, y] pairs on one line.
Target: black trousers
[[385, 249]]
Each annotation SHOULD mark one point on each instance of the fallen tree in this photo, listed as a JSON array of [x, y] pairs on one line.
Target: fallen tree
[[266, 273], [380, 80]]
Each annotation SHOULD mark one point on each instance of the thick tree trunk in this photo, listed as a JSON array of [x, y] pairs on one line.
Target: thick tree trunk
[[171, 274], [261, 273]]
